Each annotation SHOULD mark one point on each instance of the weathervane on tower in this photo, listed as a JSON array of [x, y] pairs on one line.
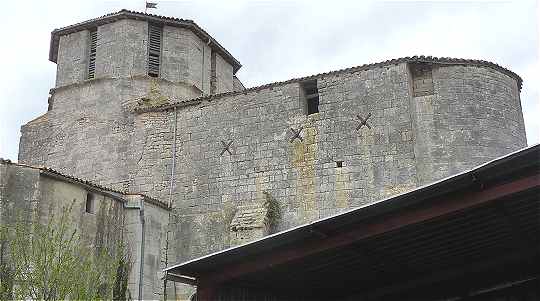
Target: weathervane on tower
[[149, 5]]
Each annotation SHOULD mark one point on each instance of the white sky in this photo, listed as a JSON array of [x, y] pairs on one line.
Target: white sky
[[278, 40]]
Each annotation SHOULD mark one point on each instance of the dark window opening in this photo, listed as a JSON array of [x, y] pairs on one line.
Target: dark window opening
[[422, 79], [89, 208], [155, 33], [311, 96], [339, 164], [92, 54], [313, 105]]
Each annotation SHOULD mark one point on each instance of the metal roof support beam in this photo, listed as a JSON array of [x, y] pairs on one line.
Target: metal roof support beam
[[375, 226]]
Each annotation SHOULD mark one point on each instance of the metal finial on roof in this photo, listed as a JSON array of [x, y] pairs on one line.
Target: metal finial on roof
[[149, 5]]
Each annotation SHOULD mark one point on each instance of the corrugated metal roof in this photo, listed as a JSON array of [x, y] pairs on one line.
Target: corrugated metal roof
[[507, 166], [128, 14], [496, 234]]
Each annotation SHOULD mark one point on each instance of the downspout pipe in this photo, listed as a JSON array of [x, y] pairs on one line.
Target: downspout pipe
[[202, 66], [171, 188], [173, 168], [202, 72], [141, 267]]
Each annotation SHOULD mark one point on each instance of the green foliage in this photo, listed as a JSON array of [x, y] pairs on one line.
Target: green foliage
[[154, 96], [121, 282], [274, 211], [50, 261], [6, 276]]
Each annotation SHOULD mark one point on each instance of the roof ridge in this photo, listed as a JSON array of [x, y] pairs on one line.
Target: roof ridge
[[83, 181], [58, 173], [123, 10], [126, 13], [406, 59]]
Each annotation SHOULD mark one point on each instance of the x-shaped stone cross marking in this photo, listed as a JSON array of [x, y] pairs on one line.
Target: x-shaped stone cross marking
[[226, 147], [296, 134], [363, 121]]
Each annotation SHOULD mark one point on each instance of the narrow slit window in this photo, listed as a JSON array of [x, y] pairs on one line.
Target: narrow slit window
[[311, 96], [92, 54], [89, 207], [155, 33]]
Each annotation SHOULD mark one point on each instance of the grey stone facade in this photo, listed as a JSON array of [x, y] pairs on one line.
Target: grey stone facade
[[381, 129], [41, 193]]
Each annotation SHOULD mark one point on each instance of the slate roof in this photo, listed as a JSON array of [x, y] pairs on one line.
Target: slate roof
[[413, 59], [249, 217], [128, 14]]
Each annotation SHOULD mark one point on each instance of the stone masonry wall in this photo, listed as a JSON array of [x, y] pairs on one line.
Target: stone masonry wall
[[183, 56], [72, 63], [29, 191], [368, 120], [102, 227], [25, 190], [121, 52], [237, 85], [34, 143], [474, 115], [19, 191], [122, 49], [371, 139], [155, 229], [224, 75], [301, 174], [89, 129], [89, 132]]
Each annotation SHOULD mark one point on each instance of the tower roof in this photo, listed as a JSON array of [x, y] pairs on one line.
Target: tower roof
[[127, 14]]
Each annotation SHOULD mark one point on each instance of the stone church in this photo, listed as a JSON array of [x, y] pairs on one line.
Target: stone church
[[148, 126]]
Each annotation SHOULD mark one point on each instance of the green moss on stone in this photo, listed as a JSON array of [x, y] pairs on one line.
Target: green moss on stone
[[154, 96]]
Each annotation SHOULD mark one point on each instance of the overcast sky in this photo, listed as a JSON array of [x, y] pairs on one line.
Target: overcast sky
[[278, 40]]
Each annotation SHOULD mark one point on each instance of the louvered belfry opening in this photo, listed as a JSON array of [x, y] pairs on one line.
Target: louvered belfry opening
[[92, 55], [154, 48]]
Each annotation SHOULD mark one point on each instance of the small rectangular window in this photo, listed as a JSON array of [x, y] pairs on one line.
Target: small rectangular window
[[92, 53], [310, 95], [89, 207], [422, 79], [155, 33]]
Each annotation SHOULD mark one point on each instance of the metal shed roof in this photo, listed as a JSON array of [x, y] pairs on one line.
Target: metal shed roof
[[477, 214]]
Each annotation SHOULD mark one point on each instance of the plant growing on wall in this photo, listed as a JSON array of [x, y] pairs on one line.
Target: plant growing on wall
[[50, 261], [274, 211]]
